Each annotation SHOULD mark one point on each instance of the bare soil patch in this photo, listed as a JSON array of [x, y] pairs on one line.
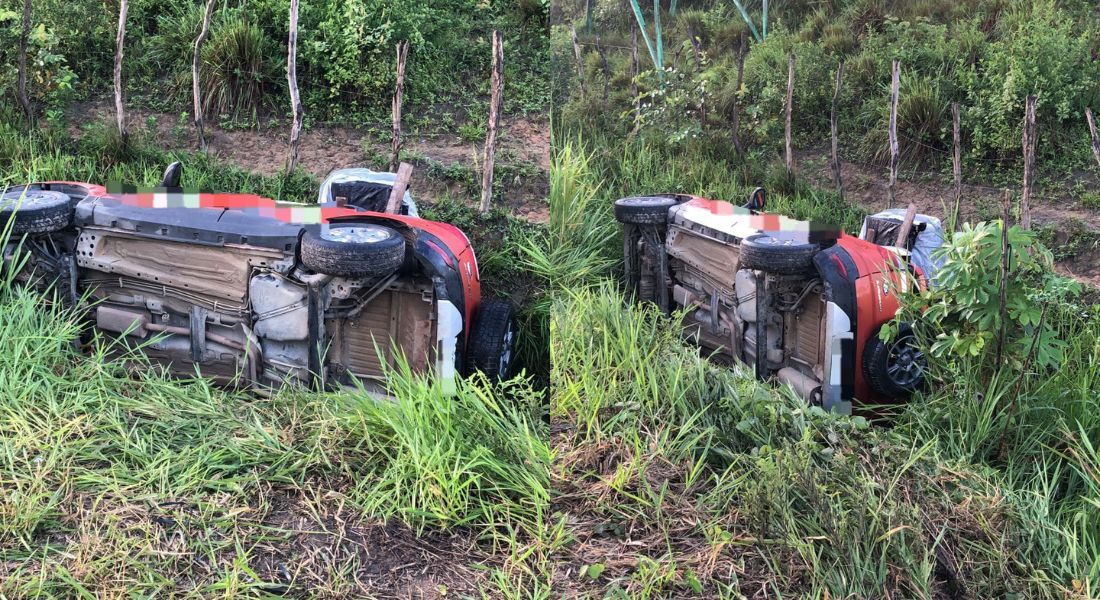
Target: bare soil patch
[[868, 187], [446, 165], [305, 542]]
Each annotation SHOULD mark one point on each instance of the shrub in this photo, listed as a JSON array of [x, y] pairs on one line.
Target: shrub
[[238, 69], [1039, 50], [961, 315]]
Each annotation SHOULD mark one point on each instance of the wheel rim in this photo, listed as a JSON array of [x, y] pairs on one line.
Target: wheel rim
[[905, 362], [358, 234], [507, 345]]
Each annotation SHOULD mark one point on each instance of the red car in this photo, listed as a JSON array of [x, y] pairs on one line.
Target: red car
[[247, 290], [798, 303]]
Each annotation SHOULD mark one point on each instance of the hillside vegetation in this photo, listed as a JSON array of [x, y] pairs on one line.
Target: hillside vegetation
[[680, 478], [346, 56], [677, 477]]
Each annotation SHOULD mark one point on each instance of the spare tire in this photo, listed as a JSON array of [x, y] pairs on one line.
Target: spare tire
[[896, 368], [353, 250], [35, 211], [644, 210], [779, 252]]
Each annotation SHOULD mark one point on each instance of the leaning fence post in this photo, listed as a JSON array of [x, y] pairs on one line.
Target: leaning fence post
[[737, 99], [956, 161], [398, 94], [196, 57], [400, 186], [1092, 134], [580, 64], [790, 102], [834, 129], [292, 82], [1029, 163], [494, 119], [24, 33], [895, 84], [123, 5]]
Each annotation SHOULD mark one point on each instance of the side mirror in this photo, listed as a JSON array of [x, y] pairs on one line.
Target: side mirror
[[757, 200], [172, 174]]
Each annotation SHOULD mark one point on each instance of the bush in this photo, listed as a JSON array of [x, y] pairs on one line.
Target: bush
[[1038, 50], [238, 69]]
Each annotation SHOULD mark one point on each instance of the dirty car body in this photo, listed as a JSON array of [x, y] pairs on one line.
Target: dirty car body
[[249, 291], [797, 303]]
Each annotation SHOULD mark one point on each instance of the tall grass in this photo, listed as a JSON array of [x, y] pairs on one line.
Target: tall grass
[[116, 480], [683, 477]]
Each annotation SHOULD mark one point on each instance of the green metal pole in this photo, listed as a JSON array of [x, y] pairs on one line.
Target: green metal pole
[[672, 8], [657, 28], [748, 21], [645, 37], [764, 24]]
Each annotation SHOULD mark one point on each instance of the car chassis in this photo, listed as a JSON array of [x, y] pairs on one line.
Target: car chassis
[[796, 302], [249, 291]]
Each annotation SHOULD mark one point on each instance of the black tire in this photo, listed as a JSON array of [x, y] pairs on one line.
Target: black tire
[[492, 346], [895, 368], [786, 254], [353, 250], [35, 211], [644, 210]]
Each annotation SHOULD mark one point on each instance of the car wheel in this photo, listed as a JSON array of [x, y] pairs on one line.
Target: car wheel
[[777, 252], [353, 250], [35, 211], [644, 210], [492, 346], [895, 368]]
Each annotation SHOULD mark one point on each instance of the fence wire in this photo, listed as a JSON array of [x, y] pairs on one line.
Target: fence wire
[[941, 154]]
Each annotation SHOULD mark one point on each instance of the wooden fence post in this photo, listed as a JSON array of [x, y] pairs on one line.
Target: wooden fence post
[[1002, 294], [196, 58], [292, 83], [835, 130], [956, 161], [398, 99], [635, 70], [580, 63], [24, 33], [605, 68], [494, 119], [737, 101], [895, 85], [400, 186], [1092, 134], [1029, 163], [790, 102], [120, 41]]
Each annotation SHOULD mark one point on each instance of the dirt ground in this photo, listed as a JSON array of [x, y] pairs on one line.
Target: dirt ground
[[869, 187], [445, 163]]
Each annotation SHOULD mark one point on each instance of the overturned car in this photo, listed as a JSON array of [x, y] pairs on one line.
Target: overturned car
[[250, 291], [798, 303]]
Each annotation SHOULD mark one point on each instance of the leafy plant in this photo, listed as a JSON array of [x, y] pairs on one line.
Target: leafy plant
[[961, 316]]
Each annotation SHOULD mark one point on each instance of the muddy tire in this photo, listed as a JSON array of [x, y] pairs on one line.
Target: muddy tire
[[644, 210], [896, 368], [35, 211], [492, 346], [776, 253], [353, 250]]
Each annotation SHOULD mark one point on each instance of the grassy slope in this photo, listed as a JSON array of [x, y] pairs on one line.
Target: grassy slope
[[115, 482], [674, 477]]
